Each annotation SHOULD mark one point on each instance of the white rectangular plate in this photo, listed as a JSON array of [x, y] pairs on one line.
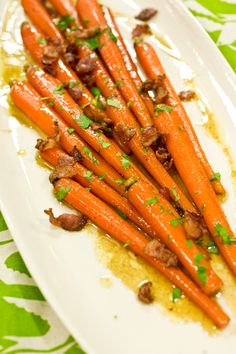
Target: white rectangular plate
[[65, 266]]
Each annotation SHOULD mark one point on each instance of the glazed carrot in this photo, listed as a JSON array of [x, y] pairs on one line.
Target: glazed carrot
[[114, 61], [130, 66], [65, 8], [47, 86], [31, 39], [153, 67], [104, 217], [124, 116], [101, 190], [41, 18], [30, 102], [198, 185]]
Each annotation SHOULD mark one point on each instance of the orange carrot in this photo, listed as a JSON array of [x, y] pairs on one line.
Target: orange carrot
[[41, 18], [113, 60], [153, 67], [31, 39], [31, 103], [65, 8], [124, 116], [101, 190], [104, 217], [130, 66]]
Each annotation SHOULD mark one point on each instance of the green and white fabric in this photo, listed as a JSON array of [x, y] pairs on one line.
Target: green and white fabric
[[27, 323]]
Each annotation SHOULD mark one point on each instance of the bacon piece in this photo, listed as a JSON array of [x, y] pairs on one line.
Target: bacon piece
[[144, 293], [187, 95], [150, 135], [96, 114], [74, 90], [123, 134], [86, 65], [51, 141], [82, 33], [65, 168], [146, 14], [164, 157], [76, 154], [69, 222], [140, 30], [194, 225], [155, 248]]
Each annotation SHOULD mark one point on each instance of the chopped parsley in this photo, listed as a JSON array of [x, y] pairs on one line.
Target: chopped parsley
[[174, 194], [104, 144], [102, 177], [122, 215], [211, 247], [87, 189], [120, 181], [180, 128], [70, 130], [151, 201], [125, 162], [126, 244], [96, 91], [65, 22], [84, 121], [129, 104], [86, 20], [74, 84], [51, 104], [198, 258], [216, 177], [88, 175], [176, 222], [113, 103], [162, 108], [62, 192], [112, 36], [59, 90], [87, 151], [36, 68], [222, 232], [42, 40], [162, 209], [202, 274], [92, 42], [189, 243], [176, 294], [118, 84], [44, 98]]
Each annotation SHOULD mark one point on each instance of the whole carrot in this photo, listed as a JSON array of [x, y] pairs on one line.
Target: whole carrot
[[108, 220], [153, 67], [65, 8], [124, 116], [113, 60], [130, 65], [101, 190], [41, 18], [31, 103]]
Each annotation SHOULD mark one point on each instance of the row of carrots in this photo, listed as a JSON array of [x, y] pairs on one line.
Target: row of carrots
[[105, 178]]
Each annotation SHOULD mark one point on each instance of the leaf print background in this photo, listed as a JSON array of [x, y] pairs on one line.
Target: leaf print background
[[27, 324]]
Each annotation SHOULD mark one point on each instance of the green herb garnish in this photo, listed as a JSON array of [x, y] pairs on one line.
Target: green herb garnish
[[113, 103], [151, 201], [122, 215], [88, 175], [216, 177], [222, 232], [174, 194], [62, 192], [176, 294], [176, 222], [162, 108], [59, 90], [65, 22], [42, 41], [70, 130], [125, 162]]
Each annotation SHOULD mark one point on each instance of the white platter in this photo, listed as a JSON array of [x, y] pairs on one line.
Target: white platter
[[65, 267]]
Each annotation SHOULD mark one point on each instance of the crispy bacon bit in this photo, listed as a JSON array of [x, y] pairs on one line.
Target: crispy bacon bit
[[123, 134], [150, 135], [82, 33], [194, 225], [161, 94], [50, 69], [86, 65], [140, 30], [51, 141], [69, 222], [75, 91], [71, 55], [156, 85], [144, 293], [187, 95], [65, 168], [146, 14], [96, 114], [76, 154], [155, 248], [164, 157]]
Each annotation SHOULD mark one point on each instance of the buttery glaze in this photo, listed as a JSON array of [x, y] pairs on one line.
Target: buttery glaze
[[131, 270]]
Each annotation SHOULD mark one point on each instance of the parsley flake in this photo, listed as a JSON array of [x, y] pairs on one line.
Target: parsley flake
[[176, 294], [122, 215], [222, 232], [126, 244], [84, 121], [88, 175], [62, 192], [198, 258], [70, 130], [42, 40], [162, 108], [176, 222], [216, 177], [125, 162], [202, 274], [59, 90], [104, 144], [102, 177], [212, 248], [151, 201], [113, 103], [189, 243], [112, 36], [65, 22], [174, 194]]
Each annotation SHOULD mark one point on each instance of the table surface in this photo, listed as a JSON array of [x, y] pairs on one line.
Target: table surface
[[28, 324]]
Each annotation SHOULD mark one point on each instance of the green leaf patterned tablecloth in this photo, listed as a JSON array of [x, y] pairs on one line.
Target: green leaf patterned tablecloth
[[27, 323]]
